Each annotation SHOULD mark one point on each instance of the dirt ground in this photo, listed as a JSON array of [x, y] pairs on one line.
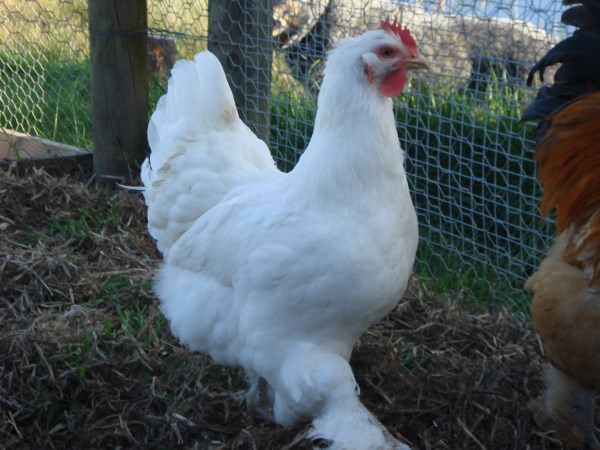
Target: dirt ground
[[87, 361]]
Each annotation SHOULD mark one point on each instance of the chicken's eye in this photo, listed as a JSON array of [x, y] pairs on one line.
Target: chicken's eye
[[387, 52]]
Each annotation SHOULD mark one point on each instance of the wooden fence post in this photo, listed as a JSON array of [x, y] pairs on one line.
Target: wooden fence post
[[239, 34], [119, 86]]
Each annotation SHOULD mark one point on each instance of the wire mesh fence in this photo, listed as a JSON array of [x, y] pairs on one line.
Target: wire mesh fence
[[469, 160], [43, 72]]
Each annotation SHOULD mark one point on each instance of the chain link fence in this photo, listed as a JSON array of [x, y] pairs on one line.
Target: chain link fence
[[469, 160]]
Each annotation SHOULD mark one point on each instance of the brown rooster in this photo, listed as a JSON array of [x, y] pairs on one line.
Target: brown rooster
[[566, 287]]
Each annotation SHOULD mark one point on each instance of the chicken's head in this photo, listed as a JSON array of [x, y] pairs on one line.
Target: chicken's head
[[390, 52]]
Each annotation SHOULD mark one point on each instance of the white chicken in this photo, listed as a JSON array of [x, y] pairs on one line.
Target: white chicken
[[280, 273]]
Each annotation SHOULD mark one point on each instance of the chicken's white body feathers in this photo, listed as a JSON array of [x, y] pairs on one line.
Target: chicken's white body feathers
[[200, 149], [280, 273]]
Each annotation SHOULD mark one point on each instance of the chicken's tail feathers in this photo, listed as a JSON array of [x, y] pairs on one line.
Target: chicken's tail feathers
[[198, 99], [567, 154], [200, 149], [568, 160]]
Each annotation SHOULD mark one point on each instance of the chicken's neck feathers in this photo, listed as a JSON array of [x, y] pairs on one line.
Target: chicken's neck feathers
[[346, 95], [354, 151]]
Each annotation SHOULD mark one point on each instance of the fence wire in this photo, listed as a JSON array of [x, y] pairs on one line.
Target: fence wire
[[44, 73], [469, 160]]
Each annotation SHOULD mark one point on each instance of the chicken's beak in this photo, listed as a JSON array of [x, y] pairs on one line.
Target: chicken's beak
[[415, 63]]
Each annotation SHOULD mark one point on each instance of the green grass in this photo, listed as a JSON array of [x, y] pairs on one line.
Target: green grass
[[82, 224], [134, 315], [44, 63], [472, 175], [468, 159], [59, 27], [292, 120], [79, 351], [471, 171], [414, 358], [77, 225], [46, 98], [131, 324]]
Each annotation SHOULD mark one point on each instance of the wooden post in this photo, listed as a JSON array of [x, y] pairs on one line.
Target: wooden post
[[119, 87], [239, 34]]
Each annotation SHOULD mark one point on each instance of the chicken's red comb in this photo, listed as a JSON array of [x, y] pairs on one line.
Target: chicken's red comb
[[403, 33]]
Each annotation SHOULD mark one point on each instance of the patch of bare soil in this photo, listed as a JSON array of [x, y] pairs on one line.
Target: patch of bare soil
[[87, 361]]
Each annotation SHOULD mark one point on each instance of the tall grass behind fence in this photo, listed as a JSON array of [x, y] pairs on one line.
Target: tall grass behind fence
[[469, 161], [44, 74]]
